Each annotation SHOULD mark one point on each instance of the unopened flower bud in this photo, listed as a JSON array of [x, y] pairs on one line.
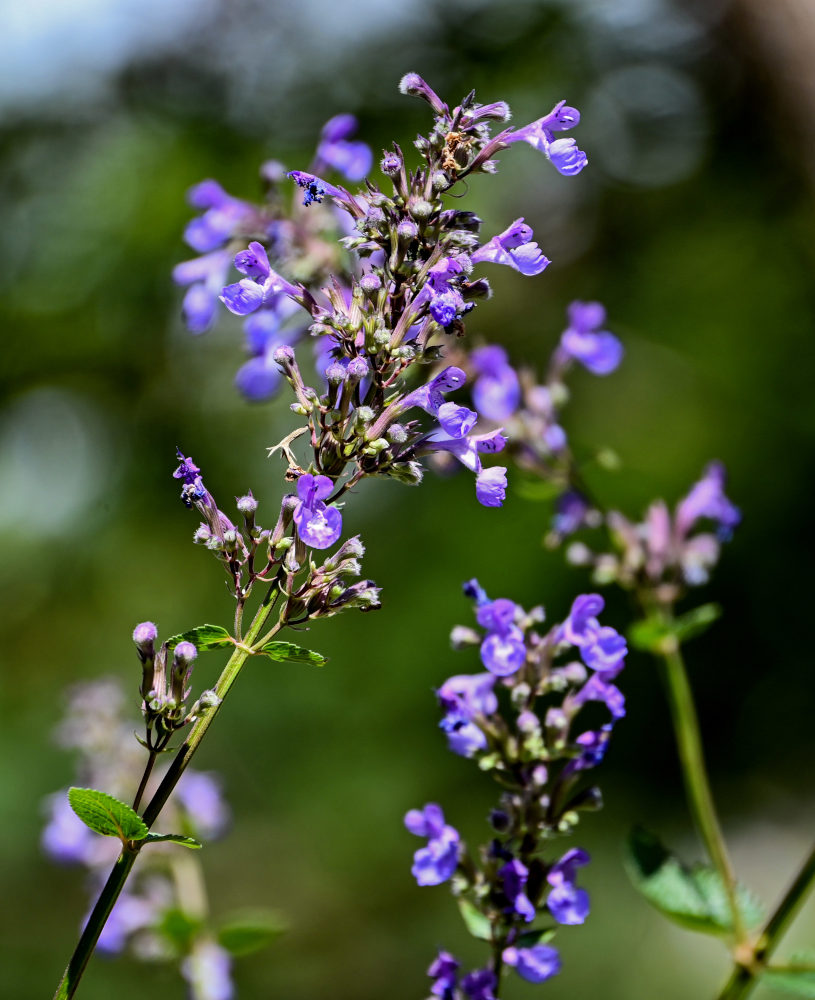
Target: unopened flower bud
[[370, 283], [440, 181], [335, 373], [528, 722], [284, 355], [574, 672], [184, 653], [247, 504], [202, 535], [462, 636], [539, 776], [420, 209], [273, 172], [407, 230], [357, 368], [500, 820], [520, 694], [364, 415], [397, 434], [145, 635]]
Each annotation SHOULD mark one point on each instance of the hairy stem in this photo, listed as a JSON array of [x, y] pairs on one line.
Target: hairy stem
[[744, 978], [694, 774], [121, 870]]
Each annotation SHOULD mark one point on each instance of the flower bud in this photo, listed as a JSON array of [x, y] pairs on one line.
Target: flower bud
[[357, 369], [462, 636], [247, 504], [184, 653], [370, 283], [145, 635], [500, 820], [335, 373], [397, 434], [284, 355], [440, 181], [407, 230], [420, 209], [202, 535], [391, 163]]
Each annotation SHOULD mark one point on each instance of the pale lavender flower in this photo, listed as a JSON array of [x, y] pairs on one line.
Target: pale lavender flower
[[130, 914], [351, 159], [318, 525], [204, 277], [200, 793], [707, 499], [514, 248], [503, 651], [261, 285], [564, 154], [491, 486], [222, 217], [468, 450], [207, 969]]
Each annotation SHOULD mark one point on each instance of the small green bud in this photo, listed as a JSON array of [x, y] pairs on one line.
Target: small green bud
[[420, 209]]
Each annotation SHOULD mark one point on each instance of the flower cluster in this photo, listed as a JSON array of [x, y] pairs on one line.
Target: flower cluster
[[97, 730], [667, 551], [520, 722], [295, 240], [411, 287]]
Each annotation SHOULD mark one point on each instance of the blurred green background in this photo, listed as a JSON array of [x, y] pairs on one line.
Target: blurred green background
[[693, 224]]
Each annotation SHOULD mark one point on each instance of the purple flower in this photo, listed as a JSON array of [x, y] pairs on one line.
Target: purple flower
[[491, 486], [514, 248], [444, 973], [602, 647], [503, 651], [479, 985], [129, 914], [65, 838], [535, 964], [563, 153], [567, 903], [497, 390], [570, 513], [441, 291], [514, 875], [207, 969], [223, 217], [457, 421], [205, 276], [437, 862], [463, 698], [468, 451], [463, 735], [599, 352], [314, 189], [707, 500], [352, 159], [318, 525], [192, 489], [598, 688]]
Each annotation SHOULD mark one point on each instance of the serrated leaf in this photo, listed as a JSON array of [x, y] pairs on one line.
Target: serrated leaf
[[203, 637], [173, 838], [796, 976], [106, 815], [474, 920], [530, 938], [693, 897], [287, 652], [244, 933]]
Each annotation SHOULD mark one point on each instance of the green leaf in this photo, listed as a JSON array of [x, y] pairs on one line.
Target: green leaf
[[287, 652], [530, 938], [651, 634], [173, 838], [796, 976], [203, 637], [106, 815], [243, 933], [696, 621], [474, 920], [179, 929], [693, 897]]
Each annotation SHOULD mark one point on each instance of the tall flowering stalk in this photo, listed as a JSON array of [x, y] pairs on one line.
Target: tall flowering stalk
[[395, 295], [659, 559], [522, 722]]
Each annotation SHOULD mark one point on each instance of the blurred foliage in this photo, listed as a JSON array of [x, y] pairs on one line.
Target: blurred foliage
[[693, 224]]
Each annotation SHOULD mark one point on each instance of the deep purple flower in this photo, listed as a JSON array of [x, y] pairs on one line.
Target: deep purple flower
[[599, 688], [535, 964], [581, 625], [318, 525], [463, 735], [444, 973], [564, 871], [597, 350], [563, 153], [479, 985], [192, 489], [497, 390], [514, 248], [503, 651], [351, 159], [415, 86], [605, 651], [593, 744], [437, 862], [706, 499], [514, 875], [441, 291]]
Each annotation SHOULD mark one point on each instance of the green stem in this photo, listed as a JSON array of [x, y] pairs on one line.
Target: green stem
[[694, 773], [117, 878], [148, 770], [744, 978]]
